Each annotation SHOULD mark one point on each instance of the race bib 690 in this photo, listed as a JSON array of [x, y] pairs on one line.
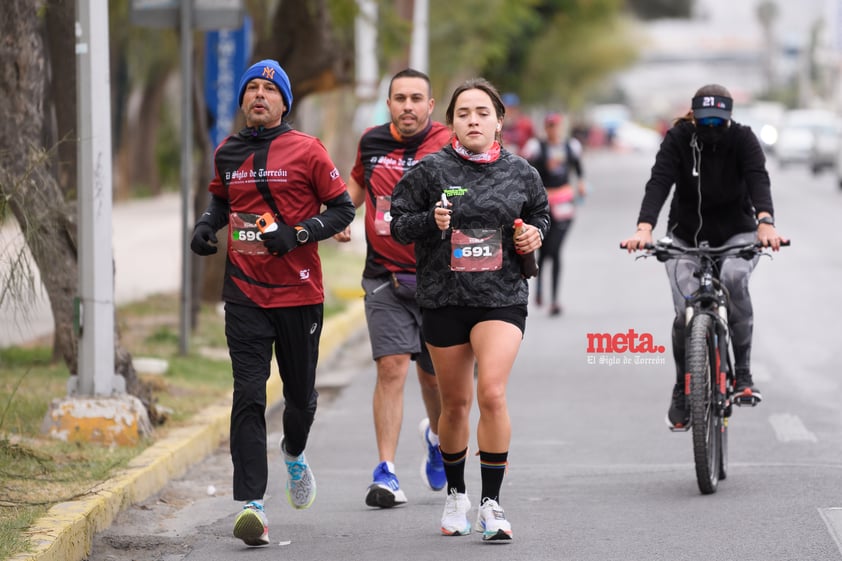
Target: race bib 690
[[245, 237]]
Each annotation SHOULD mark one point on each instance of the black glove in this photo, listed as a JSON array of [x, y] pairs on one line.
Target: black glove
[[281, 241], [203, 237]]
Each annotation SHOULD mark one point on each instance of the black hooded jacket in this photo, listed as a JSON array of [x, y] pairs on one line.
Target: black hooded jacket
[[730, 175]]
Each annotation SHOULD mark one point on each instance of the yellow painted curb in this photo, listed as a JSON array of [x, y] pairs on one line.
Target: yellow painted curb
[[66, 532]]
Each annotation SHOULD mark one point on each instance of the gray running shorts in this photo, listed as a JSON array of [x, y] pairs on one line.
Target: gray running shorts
[[394, 322]]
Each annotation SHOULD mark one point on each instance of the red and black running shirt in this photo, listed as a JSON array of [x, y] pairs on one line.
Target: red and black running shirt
[[383, 156], [300, 176]]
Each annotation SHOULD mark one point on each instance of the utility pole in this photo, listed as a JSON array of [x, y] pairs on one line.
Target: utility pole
[[96, 269], [186, 35], [419, 50]]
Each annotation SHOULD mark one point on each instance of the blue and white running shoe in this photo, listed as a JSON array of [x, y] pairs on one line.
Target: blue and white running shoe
[[385, 490]]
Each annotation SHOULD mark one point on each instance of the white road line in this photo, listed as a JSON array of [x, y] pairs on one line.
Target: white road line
[[790, 428], [833, 520]]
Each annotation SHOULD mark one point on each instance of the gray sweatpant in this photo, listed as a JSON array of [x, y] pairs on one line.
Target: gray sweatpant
[[734, 273]]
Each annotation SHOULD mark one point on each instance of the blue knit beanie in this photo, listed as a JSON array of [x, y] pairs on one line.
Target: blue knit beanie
[[268, 69]]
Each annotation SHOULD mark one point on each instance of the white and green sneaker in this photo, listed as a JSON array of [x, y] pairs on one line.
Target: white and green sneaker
[[301, 484], [251, 525]]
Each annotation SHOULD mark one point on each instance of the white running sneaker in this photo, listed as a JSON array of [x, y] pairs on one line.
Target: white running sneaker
[[491, 521], [454, 519], [301, 483], [251, 525]]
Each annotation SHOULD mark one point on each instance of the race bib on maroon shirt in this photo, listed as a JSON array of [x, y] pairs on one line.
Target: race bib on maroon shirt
[[245, 237], [383, 215]]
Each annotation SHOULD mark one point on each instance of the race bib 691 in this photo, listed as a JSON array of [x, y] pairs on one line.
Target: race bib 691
[[476, 249]]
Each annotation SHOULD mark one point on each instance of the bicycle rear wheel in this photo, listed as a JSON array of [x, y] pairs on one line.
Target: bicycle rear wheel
[[706, 421]]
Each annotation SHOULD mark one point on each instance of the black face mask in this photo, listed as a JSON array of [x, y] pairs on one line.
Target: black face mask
[[711, 135]]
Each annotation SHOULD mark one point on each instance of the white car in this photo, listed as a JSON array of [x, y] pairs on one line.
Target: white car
[[826, 144], [808, 136], [636, 138]]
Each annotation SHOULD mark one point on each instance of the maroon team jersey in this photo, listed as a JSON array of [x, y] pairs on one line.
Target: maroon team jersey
[[297, 172], [382, 158]]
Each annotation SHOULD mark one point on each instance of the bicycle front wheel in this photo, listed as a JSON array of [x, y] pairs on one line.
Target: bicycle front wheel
[[706, 421]]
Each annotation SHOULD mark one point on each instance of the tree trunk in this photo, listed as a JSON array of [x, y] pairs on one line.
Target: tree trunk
[[32, 192], [60, 20], [137, 164], [47, 220], [303, 41]]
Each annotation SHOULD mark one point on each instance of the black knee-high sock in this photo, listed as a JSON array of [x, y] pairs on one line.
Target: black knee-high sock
[[492, 470], [454, 470]]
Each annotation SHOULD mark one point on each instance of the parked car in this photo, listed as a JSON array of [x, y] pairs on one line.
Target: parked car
[[794, 145], [636, 138], [826, 144], [810, 137]]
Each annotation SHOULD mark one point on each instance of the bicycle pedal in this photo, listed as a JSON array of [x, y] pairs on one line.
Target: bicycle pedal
[[746, 400], [681, 428]]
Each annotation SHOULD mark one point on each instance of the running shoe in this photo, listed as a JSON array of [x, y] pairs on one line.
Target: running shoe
[[251, 525], [301, 484], [385, 490], [744, 388], [432, 466], [454, 519], [492, 523], [678, 417]]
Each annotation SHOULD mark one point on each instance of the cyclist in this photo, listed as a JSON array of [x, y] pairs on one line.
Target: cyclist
[[722, 196]]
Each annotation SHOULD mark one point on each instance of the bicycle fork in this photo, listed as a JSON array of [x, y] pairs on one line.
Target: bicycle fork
[[720, 363], [724, 366]]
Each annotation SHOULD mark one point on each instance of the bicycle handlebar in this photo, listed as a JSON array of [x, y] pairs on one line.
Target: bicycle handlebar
[[664, 250]]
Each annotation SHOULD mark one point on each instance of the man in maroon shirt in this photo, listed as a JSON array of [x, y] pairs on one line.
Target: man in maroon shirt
[[269, 185], [394, 319]]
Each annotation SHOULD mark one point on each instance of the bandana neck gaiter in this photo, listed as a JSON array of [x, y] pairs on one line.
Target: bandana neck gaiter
[[492, 155]]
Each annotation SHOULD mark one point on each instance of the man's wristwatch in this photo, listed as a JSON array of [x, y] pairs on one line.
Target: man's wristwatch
[[766, 220], [302, 235]]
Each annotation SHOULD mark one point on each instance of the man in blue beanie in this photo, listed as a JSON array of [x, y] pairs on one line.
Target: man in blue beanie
[[269, 187], [270, 70]]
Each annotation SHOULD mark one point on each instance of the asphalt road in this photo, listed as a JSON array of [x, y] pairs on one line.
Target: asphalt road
[[594, 474]]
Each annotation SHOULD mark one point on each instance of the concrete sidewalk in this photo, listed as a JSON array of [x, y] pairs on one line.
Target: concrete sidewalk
[[147, 260], [67, 531]]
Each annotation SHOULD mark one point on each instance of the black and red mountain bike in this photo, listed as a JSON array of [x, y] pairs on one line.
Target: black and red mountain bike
[[709, 363]]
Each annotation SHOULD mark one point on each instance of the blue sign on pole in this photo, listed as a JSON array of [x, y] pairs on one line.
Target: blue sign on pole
[[227, 54]]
